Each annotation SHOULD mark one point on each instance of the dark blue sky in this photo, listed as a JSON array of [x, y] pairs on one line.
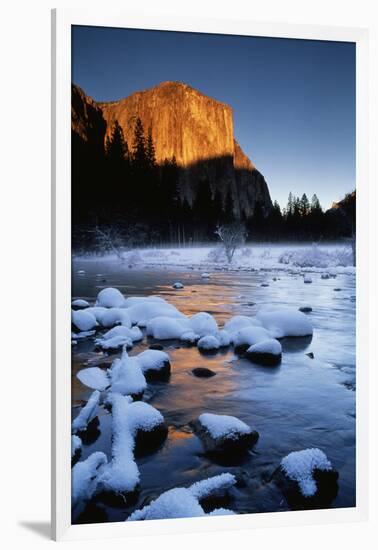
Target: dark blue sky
[[293, 100]]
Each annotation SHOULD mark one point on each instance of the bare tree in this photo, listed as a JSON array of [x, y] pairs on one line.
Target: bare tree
[[109, 239], [232, 236]]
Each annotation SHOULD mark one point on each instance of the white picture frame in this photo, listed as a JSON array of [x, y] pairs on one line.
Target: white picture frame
[[62, 20]]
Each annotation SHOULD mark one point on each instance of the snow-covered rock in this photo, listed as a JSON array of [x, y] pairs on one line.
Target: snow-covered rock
[[87, 413], [94, 378], [155, 364], [189, 337], [223, 338], [307, 279], [85, 476], [79, 304], [126, 376], [144, 310], [177, 286], [114, 344], [115, 316], [83, 320], [83, 334], [248, 336], [97, 312], [283, 322], [307, 479], [118, 337], [208, 343], [203, 324], [224, 434], [110, 297], [205, 275], [134, 424], [267, 352], [184, 503], [238, 322], [167, 328]]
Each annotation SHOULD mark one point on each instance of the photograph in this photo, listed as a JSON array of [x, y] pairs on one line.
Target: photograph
[[213, 237]]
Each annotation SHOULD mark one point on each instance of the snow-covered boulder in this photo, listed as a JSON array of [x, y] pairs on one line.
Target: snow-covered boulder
[[177, 286], [307, 479], [83, 320], [240, 321], [97, 312], [248, 336], [224, 435], [203, 324], [283, 322], [85, 476], [82, 335], [155, 364], [87, 414], [79, 304], [144, 310], [189, 337], [115, 316], [307, 279], [126, 377], [118, 337], [94, 377], [136, 426], [268, 352], [185, 503], [208, 343], [167, 328], [223, 338], [110, 297], [205, 275]]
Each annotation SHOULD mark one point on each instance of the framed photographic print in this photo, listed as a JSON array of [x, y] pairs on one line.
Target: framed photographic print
[[209, 274]]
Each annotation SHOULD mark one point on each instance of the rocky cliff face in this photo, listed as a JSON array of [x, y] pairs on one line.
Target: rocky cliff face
[[195, 129]]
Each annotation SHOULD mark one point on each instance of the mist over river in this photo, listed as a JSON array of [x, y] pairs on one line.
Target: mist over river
[[304, 402]]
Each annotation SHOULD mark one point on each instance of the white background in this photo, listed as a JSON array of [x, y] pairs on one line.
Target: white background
[[25, 270]]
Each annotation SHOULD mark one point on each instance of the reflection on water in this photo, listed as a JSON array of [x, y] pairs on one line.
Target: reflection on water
[[304, 402]]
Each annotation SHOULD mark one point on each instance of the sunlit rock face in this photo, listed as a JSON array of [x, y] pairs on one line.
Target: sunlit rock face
[[195, 129]]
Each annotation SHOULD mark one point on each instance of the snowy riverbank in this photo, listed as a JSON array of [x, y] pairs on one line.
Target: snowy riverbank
[[334, 258]]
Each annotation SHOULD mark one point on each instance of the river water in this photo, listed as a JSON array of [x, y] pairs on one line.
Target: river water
[[302, 403]]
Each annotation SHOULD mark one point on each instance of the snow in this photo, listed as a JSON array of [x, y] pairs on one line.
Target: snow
[[114, 316], [87, 413], [83, 334], [221, 512], [248, 336], [145, 310], [121, 475], [183, 503], [205, 275], [75, 445], [83, 320], [219, 425], [167, 328], [208, 343], [85, 476], [97, 312], [114, 343], [152, 359], [110, 297], [300, 465], [126, 376], [203, 324], [238, 322], [223, 338], [282, 322], [118, 337], [307, 279], [94, 378], [206, 487], [270, 346], [80, 303], [189, 337]]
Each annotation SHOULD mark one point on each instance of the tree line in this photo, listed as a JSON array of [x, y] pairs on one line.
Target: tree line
[[121, 186]]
